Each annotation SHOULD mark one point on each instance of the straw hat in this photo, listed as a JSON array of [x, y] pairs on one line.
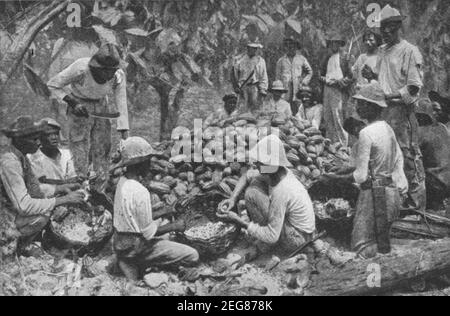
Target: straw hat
[[255, 45], [390, 14], [50, 123], [136, 150], [278, 86], [24, 126], [372, 93], [270, 152]]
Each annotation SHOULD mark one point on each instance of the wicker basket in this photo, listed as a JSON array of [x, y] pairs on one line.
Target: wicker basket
[[202, 209], [95, 244]]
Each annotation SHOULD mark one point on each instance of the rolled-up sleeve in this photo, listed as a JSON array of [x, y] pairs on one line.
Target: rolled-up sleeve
[[57, 85], [12, 177], [362, 158], [270, 234], [120, 93]]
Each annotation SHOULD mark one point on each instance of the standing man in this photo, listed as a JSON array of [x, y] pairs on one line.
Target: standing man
[[26, 205], [399, 72], [336, 76], [293, 70], [84, 87], [51, 161], [251, 81], [372, 40]]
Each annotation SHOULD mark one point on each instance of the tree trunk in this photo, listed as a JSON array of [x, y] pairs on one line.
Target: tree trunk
[[410, 261], [33, 22]]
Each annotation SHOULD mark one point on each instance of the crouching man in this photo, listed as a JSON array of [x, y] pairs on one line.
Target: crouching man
[[51, 162], [136, 241], [279, 206], [29, 208]]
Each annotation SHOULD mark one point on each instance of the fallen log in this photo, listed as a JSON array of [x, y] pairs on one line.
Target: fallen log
[[409, 261], [420, 229]]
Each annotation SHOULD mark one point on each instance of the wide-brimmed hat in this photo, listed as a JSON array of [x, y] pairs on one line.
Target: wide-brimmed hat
[[255, 45], [278, 86], [24, 126], [390, 14], [230, 97], [50, 123], [270, 152], [107, 57], [372, 93], [135, 151], [335, 37]]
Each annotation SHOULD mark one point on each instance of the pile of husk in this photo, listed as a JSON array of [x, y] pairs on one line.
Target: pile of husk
[[175, 175]]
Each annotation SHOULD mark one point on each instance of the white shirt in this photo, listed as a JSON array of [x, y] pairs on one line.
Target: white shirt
[[334, 71], [290, 205], [62, 168], [293, 73], [133, 208], [77, 80], [281, 107], [245, 67], [378, 147]]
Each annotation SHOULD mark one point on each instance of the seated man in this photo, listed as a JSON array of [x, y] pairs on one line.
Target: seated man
[[434, 142], [29, 208], [136, 241], [51, 161], [277, 104], [230, 109], [278, 205], [309, 109]]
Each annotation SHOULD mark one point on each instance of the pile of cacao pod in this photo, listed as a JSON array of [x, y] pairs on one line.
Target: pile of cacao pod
[[174, 176]]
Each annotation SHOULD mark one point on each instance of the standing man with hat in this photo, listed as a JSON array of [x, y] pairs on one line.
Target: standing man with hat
[[293, 70], [51, 161], [277, 104], [26, 205], [252, 80], [399, 72], [136, 241], [336, 75], [84, 87], [379, 172]]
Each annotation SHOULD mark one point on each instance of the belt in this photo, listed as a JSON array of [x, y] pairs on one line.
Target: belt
[[86, 99], [382, 182]]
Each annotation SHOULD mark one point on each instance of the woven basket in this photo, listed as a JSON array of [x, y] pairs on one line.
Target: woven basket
[[92, 247], [203, 208]]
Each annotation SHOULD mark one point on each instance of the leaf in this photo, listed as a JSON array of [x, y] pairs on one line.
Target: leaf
[[134, 57], [295, 25], [253, 19], [57, 47], [105, 35], [35, 82], [137, 32], [166, 37]]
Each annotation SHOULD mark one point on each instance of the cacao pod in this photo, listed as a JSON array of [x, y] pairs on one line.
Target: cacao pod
[[159, 188]]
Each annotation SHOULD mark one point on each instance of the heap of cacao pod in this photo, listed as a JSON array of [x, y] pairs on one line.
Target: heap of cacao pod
[[174, 176]]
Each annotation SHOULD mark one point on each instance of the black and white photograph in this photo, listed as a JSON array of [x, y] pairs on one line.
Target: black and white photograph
[[225, 153]]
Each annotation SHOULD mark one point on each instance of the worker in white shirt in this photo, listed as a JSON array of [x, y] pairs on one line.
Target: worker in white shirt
[[251, 79], [277, 105], [293, 69], [84, 87]]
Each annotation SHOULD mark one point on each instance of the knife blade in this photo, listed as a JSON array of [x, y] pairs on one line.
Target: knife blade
[[106, 116]]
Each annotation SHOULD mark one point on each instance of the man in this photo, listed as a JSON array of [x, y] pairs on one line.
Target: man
[[336, 76], [251, 78], [136, 241], [372, 41], [278, 205], [309, 109], [26, 204], [51, 161], [277, 104], [399, 72], [84, 87], [434, 141], [378, 161], [441, 108], [230, 109], [293, 70]]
